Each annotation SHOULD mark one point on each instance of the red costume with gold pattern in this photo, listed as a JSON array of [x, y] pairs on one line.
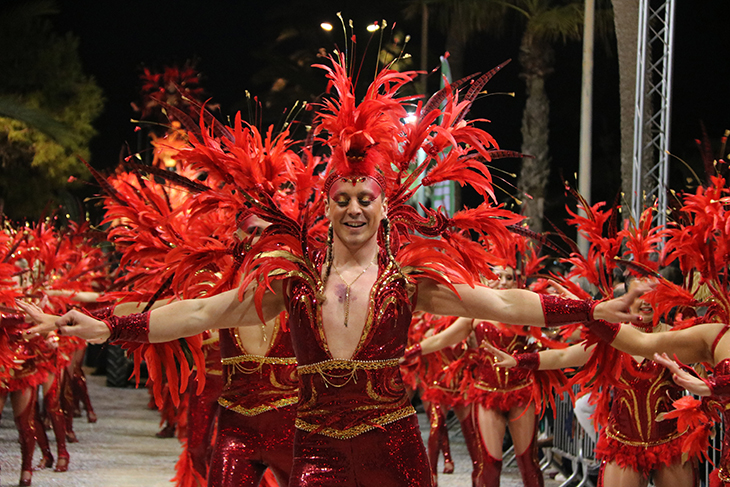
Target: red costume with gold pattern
[[499, 388], [349, 409], [256, 422], [26, 368], [438, 377], [633, 438]]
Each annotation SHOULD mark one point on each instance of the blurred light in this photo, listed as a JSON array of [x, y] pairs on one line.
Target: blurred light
[[373, 27], [326, 26], [411, 118]]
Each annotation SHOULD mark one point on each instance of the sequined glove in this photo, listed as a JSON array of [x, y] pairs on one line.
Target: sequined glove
[[130, 328], [719, 386], [102, 313], [603, 329], [560, 311], [529, 361]]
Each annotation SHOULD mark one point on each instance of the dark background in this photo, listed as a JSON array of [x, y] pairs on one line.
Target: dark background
[[233, 42]]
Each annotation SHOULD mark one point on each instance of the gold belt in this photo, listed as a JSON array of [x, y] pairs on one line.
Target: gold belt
[[323, 369]]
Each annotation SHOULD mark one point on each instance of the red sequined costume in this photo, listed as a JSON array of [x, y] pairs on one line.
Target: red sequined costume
[[632, 437], [256, 422], [720, 477], [501, 389], [27, 371], [438, 378], [202, 414], [349, 409]]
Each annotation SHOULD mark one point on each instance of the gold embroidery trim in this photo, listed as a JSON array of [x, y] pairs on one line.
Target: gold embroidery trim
[[349, 433], [484, 387], [210, 341], [644, 444], [260, 359], [258, 409]]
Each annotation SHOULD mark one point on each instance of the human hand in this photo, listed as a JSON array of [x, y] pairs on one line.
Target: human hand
[[681, 377], [560, 290], [501, 359], [45, 323], [618, 310], [75, 323]]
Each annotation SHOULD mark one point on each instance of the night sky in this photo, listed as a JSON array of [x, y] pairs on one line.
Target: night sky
[[228, 38]]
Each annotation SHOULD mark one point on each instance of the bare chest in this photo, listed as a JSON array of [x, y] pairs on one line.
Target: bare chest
[[346, 312]]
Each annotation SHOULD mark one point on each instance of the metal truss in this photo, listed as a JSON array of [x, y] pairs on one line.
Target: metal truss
[[653, 107]]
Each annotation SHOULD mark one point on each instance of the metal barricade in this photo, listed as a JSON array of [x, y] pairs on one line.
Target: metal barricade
[[571, 442]]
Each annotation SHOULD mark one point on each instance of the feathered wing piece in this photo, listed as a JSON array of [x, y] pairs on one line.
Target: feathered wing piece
[[700, 241], [693, 416]]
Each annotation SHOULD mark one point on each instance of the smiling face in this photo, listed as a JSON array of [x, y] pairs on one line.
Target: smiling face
[[355, 211], [641, 307], [505, 278]]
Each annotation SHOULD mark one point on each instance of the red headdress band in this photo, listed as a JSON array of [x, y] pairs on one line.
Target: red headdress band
[[352, 178]]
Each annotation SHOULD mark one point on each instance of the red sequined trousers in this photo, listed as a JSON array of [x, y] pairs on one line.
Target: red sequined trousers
[[355, 423], [256, 422], [203, 408], [500, 389], [633, 438]]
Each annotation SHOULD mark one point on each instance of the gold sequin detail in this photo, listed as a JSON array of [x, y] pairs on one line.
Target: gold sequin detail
[[258, 409], [349, 433]]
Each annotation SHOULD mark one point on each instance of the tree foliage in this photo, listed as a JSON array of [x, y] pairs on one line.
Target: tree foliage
[[48, 104]]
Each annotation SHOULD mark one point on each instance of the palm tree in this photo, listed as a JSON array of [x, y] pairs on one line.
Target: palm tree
[[625, 13], [542, 23], [545, 22]]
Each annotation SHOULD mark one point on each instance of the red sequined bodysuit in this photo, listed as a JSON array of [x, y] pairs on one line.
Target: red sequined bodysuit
[[202, 412], [633, 438], [496, 387], [256, 424], [355, 422]]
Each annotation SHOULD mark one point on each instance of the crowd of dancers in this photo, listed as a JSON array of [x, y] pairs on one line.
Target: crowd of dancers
[[300, 302]]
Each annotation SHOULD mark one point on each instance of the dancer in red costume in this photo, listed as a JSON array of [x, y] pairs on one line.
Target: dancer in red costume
[[44, 257], [256, 423], [438, 377], [20, 384], [57, 359], [634, 445], [500, 399], [354, 420]]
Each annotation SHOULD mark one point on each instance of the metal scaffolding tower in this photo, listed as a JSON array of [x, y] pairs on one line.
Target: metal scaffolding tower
[[653, 104]]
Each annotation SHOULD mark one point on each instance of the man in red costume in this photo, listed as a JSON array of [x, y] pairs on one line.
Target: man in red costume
[[354, 419], [350, 300]]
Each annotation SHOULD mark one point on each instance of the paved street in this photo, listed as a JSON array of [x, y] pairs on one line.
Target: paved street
[[121, 449]]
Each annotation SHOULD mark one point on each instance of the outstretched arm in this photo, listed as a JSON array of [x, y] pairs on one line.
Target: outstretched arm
[[457, 332], [522, 307], [573, 356], [180, 318], [690, 345]]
